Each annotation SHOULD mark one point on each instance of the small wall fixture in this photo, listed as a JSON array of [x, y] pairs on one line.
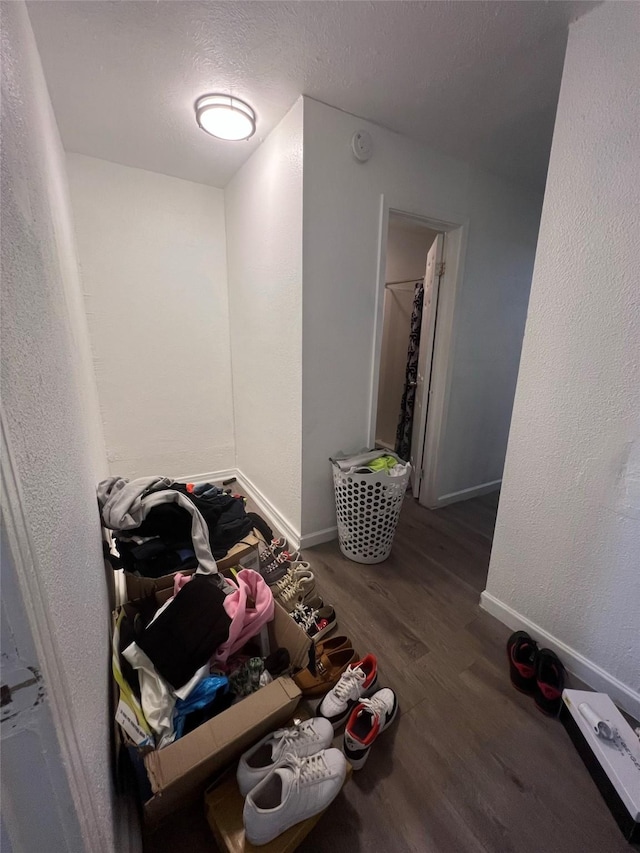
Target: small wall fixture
[[225, 117]]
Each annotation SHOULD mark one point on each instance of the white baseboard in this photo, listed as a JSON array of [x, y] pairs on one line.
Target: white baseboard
[[269, 511], [466, 494], [308, 540], [271, 515], [209, 476], [582, 667]]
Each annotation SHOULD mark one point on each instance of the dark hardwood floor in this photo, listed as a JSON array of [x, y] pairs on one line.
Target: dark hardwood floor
[[470, 764]]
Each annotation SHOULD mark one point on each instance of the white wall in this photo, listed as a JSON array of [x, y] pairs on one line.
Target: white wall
[[341, 226], [565, 555], [264, 244], [152, 254], [52, 455], [407, 247]]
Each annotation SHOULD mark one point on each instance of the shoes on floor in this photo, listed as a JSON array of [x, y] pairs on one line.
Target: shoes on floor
[[536, 672], [298, 570], [275, 576], [550, 678], [315, 621], [295, 588], [296, 789], [367, 721], [303, 740], [522, 651], [333, 644], [329, 668], [275, 571], [358, 680], [277, 549]]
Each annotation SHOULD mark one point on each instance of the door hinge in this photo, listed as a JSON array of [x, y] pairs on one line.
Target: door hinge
[[440, 268]]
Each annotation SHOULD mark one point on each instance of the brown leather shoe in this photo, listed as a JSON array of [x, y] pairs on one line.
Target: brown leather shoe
[[334, 644], [329, 668]]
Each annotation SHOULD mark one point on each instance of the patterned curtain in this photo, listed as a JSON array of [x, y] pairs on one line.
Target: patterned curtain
[[405, 423]]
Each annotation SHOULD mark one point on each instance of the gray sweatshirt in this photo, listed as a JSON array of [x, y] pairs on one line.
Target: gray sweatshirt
[[125, 504]]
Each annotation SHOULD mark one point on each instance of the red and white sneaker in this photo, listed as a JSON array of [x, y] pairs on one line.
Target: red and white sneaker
[[360, 679], [368, 720]]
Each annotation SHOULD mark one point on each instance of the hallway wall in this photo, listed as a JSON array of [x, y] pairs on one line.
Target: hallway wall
[[565, 555], [264, 240], [56, 775], [342, 200], [153, 260]]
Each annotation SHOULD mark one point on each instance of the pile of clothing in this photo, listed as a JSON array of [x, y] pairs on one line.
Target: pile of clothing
[[175, 652], [176, 662], [153, 522]]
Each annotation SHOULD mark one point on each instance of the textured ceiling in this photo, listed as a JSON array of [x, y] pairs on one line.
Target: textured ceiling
[[476, 80]]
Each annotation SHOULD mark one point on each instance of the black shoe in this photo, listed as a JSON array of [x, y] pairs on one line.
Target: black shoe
[[522, 651], [550, 677]]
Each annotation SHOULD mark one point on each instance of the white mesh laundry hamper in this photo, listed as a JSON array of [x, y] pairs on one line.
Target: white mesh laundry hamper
[[368, 507]]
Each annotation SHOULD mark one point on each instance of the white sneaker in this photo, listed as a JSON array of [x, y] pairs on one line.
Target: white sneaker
[[368, 719], [302, 740], [360, 679], [295, 790]]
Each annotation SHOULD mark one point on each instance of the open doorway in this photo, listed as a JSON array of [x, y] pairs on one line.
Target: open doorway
[[408, 295], [419, 272]]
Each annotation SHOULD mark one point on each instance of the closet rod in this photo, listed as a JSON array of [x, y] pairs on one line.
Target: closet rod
[[405, 281]]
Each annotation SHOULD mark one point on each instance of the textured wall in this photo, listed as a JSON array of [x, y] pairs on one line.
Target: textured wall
[[264, 243], [152, 253], [341, 222], [407, 247], [567, 544], [52, 425]]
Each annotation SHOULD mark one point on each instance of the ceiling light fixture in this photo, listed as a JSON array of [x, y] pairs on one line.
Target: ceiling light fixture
[[225, 117]]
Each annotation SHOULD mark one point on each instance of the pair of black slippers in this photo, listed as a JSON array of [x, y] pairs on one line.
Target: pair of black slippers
[[536, 672]]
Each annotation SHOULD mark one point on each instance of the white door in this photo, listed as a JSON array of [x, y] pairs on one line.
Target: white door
[[425, 358]]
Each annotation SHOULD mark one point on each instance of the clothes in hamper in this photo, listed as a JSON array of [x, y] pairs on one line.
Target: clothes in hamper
[[186, 635]]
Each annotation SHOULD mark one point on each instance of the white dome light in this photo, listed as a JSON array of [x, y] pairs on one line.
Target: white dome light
[[225, 117]]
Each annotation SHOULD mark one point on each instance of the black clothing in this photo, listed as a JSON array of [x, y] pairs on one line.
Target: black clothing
[[185, 636]]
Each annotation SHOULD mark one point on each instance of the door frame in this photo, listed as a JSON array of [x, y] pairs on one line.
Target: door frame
[[456, 230]]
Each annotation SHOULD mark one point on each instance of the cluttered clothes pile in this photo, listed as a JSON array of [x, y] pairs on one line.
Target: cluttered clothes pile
[[156, 530], [176, 661]]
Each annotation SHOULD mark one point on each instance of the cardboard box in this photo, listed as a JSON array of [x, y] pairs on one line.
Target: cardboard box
[[244, 554], [224, 804], [180, 772]]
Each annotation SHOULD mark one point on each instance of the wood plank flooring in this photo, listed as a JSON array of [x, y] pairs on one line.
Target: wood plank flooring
[[470, 764]]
